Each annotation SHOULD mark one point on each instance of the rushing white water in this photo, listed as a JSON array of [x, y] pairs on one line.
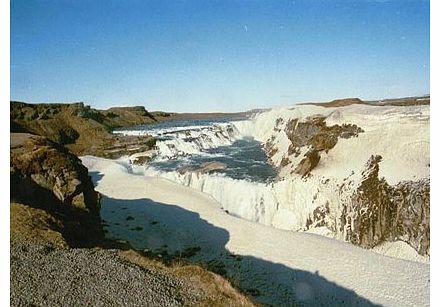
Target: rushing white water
[[189, 140], [250, 200]]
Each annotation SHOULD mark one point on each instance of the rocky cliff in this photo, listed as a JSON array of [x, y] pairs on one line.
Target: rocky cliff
[[374, 211], [46, 176]]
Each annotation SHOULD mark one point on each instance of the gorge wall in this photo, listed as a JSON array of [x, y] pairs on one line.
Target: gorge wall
[[374, 159]]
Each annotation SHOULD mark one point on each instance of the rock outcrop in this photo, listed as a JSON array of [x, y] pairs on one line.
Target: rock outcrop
[[379, 212], [374, 211], [315, 135], [47, 176], [412, 220], [366, 208], [367, 215], [206, 167]]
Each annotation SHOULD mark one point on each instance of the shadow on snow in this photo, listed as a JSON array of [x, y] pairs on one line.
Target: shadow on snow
[[164, 228]]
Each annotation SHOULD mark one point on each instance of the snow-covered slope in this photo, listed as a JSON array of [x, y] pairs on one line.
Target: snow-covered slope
[[278, 267], [399, 134]]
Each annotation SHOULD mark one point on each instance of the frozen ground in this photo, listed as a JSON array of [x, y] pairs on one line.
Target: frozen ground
[[275, 266]]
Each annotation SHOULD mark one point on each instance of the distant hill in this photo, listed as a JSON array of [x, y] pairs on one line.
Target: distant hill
[[406, 101]]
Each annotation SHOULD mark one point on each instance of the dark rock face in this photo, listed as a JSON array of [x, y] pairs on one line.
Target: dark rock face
[[369, 212], [67, 135], [126, 145], [412, 214], [46, 176], [310, 161], [377, 212], [315, 134], [269, 148], [320, 216], [367, 217]]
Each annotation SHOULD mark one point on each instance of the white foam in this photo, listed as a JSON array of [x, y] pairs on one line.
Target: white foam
[[159, 131], [249, 200], [189, 140]]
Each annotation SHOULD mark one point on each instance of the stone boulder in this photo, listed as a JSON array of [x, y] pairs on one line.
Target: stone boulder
[[367, 216], [205, 168], [310, 161]]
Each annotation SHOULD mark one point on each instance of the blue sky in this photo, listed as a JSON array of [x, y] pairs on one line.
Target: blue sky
[[199, 56]]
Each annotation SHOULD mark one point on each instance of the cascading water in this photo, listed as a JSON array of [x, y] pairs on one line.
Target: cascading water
[[184, 138], [185, 146]]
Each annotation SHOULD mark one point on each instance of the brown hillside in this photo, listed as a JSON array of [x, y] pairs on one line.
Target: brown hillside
[[82, 129]]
